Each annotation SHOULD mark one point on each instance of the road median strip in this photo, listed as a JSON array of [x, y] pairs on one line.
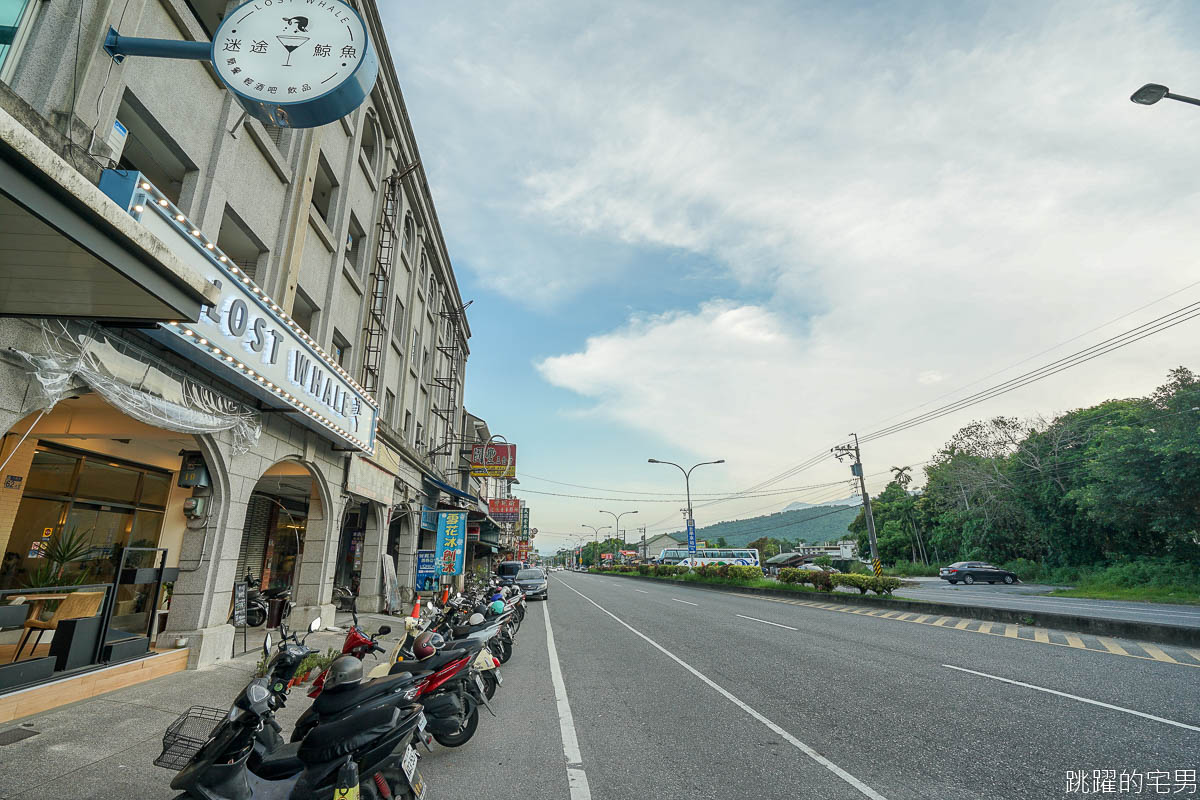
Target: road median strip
[[1096, 626]]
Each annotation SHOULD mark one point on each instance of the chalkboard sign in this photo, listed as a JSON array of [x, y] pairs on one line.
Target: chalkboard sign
[[239, 604]]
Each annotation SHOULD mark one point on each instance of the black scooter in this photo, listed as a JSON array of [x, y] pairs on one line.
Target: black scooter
[[364, 753], [256, 601]]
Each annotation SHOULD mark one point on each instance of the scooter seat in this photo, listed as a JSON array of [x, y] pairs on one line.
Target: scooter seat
[[280, 763], [439, 660], [334, 740], [337, 700]]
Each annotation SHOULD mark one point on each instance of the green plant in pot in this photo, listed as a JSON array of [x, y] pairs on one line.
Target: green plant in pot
[[62, 549]]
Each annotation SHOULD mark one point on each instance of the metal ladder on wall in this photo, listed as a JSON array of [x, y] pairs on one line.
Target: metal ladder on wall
[[375, 329], [445, 384]]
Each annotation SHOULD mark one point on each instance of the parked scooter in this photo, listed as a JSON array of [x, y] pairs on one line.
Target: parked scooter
[[364, 753], [256, 601], [358, 643]]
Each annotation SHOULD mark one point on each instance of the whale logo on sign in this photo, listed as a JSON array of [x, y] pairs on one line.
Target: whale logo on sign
[[296, 63]]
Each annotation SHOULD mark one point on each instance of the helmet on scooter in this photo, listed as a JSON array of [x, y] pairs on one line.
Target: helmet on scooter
[[438, 641], [422, 646], [345, 671], [497, 607], [475, 619]]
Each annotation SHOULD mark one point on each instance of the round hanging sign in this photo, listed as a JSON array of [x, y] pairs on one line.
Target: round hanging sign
[[295, 63]]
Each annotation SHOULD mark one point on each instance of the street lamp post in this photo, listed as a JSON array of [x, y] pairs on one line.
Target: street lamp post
[[687, 484], [1151, 93], [596, 533], [617, 521]]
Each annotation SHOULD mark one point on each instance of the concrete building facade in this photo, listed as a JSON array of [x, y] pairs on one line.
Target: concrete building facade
[[333, 230]]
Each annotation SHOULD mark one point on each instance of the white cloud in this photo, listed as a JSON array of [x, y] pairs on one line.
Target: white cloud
[[915, 195]]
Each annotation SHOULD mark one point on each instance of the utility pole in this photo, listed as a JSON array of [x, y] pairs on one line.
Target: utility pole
[[856, 469], [643, 547]]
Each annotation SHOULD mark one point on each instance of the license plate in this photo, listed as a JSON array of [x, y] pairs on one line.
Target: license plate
[[421, 723], [409, 764], [418, 785], [482, 689], [499, 677]]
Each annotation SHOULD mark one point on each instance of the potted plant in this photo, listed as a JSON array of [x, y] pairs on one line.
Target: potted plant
[[62, 548]]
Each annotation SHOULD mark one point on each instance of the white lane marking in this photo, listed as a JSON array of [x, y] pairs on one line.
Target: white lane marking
[[576, 778], [677, 600], [764, 622], [643, 591], [1076, 697], [778, 731]]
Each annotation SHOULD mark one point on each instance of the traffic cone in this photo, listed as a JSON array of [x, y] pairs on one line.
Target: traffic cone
[[445, 595], [416, 612]]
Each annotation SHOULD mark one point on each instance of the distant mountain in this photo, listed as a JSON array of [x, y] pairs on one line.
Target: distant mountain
[[852, 500], [811, 524]]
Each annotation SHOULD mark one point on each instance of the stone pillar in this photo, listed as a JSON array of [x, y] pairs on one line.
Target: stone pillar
[[314, 586], [371, 589]]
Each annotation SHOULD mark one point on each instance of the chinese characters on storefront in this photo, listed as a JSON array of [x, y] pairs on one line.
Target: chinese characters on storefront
[[505, 509], [494, 460]]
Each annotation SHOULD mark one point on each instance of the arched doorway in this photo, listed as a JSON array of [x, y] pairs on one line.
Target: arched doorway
[[286, 540]]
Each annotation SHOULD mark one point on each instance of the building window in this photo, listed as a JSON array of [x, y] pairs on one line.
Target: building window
[[415, 348], [16, 18], [407, 423], [324, 189], [370, 145], [305, 313], [424, 267], [425, 365], [149, 149], [341, 350], [398, 321], [418, 442], [408, 233], [278, 136], [238, 242], [389, 407], [356, 242]]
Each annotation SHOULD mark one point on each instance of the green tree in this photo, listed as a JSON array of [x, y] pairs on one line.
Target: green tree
[[721, 542]]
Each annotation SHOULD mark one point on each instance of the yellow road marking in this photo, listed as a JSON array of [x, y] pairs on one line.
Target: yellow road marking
[[1041, 636], [1112, 646], [1156, 653]]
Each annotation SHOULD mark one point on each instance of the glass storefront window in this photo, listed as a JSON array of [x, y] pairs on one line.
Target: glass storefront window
[[51, 473], [35, 522], [105, 481], [155, 488], [108, 530]]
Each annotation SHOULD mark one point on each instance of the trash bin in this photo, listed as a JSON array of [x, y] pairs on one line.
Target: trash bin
[[275, 609]]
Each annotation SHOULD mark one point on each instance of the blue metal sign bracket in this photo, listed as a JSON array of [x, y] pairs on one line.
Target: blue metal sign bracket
[[119, 46]]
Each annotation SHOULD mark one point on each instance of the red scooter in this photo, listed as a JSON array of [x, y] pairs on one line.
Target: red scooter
[[358, 643]]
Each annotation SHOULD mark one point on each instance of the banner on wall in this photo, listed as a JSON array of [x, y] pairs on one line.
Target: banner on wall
[[504, 509], [426, 579]]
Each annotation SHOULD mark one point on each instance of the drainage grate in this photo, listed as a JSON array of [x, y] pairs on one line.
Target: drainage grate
[[14, 735]]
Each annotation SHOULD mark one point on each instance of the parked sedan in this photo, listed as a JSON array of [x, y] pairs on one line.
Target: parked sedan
[[816, 568], [533, 582], [975, 572]]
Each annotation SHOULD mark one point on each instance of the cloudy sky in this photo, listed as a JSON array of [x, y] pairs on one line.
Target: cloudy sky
[[697, 230]]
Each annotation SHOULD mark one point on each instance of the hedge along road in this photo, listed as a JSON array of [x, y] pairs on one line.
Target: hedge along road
[[887, 704]]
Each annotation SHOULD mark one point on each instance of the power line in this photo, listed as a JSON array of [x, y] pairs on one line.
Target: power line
[[1143, 331]]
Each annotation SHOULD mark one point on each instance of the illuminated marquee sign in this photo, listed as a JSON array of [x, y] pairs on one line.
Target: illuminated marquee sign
[[247, 338]]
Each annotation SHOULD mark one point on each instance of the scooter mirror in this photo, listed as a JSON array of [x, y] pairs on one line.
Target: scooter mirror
[[429, 605], [315, 625], [267, 645], [384, 630]]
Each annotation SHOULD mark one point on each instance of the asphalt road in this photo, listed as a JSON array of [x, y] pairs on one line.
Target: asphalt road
[[673, 692], [1025, 597]]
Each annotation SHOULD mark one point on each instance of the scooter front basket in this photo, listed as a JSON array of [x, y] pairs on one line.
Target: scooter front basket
[[187, 735]]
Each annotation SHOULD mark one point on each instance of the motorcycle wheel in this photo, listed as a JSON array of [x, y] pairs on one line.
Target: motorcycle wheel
[[256, 616], [503, 651], [489, 684], [464, 733]]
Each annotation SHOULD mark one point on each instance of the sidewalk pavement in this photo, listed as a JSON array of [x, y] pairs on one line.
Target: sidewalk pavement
[[103, 748]]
